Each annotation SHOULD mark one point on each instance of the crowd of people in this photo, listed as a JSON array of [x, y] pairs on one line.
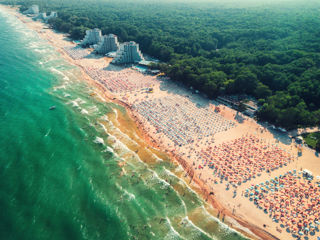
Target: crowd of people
[[181, 120], [77, 52], [120, 81], [243, 158], [292, 200]]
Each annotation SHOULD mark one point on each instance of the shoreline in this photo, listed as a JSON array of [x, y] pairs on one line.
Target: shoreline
[[209, 196]]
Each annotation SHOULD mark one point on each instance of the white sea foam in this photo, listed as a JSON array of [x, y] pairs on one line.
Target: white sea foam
[[42, 51], [191, 224], [155, 176], [74, 104], [63, 86], [65, 77], [48, 133], [117, 144], [109, 149], [172, 234], [83, 111], [79, 100], [93, 109], [104, 128], [129, 196], [99, 140], [100, 97], [105, 118], [169, 173], [115, 112]]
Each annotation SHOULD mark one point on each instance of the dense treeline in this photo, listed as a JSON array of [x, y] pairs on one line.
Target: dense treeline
[[270, 52]]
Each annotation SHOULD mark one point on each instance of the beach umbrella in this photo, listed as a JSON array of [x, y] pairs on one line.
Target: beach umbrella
[[307, 229], [300, 233]]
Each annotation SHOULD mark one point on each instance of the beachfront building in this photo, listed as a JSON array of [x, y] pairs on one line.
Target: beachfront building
[[128, 53], [108, 43], [44, 17], [93, 36], [41, 16], [52, 15], [34, 9]]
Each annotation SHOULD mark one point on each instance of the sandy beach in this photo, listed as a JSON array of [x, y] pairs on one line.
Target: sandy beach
[[248, 173]]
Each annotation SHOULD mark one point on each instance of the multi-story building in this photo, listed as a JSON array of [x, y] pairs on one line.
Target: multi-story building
[[52, 15], [41, 16], [44, 17], [108, 43], [128, 53], [34, 9], [93, 36]]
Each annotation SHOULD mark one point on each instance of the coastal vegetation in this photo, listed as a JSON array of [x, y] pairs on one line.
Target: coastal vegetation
[[270, 51], [312, 140]]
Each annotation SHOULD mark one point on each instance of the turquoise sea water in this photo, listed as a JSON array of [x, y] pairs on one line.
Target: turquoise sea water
[[57, 179]]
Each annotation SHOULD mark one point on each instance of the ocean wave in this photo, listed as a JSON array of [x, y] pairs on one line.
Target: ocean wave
[[164, 184], [74, 104], [63, 86], [47, 134], [105, 118], [109, 149], [83, 111], [80, 100], [115, 112], [198, 231], [65, 77], [94, 109], [99, 140], [103, 127], [117, 144], [129, 196], [172, 234], [100, 97]]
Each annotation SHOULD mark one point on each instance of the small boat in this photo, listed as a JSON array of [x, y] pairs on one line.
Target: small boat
[[52, 107]]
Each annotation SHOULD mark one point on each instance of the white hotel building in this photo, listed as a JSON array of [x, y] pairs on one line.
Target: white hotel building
[[93, 36], [128, 53], [34, 9], [108, 43]]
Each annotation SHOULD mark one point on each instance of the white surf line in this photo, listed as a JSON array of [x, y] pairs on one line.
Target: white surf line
[[178, 195], [125, 136], [189, 188], [115, 112], [172, 228], [196, 227], [65, 77], [47, 133]]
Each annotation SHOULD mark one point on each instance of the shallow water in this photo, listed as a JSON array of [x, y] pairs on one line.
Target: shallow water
[[81, 171]]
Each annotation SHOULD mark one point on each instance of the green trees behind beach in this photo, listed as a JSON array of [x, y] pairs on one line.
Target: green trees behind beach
[[270, 52]]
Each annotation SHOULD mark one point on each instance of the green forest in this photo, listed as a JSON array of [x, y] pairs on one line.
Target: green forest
[[271, 52]]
